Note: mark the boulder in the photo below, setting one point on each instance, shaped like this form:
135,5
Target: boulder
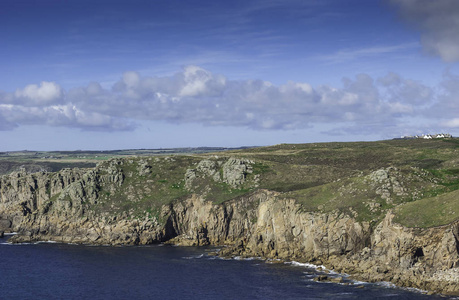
5,224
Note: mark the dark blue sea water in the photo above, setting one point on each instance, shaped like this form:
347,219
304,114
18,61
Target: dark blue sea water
60,271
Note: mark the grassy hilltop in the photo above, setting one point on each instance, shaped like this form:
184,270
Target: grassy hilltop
417,179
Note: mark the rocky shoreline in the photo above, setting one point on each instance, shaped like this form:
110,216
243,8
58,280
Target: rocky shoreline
261,223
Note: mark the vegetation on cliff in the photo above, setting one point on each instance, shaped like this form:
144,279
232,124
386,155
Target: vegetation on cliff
417,178
366,179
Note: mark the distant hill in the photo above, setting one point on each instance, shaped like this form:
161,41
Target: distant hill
53,161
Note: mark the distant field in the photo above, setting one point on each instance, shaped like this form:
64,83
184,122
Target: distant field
53,161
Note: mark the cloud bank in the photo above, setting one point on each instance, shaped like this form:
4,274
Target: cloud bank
195,95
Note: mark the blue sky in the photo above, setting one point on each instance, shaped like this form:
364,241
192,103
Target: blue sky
99,75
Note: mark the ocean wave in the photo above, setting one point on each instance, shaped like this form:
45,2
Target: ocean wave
316,267
357,282
390,285
221,258
273,260
307,265
246,258
193,257
45,242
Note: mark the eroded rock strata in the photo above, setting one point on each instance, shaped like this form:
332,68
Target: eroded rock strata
100,206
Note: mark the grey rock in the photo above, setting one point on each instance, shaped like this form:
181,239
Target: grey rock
5,224
235,171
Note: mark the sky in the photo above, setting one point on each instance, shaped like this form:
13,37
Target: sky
112,74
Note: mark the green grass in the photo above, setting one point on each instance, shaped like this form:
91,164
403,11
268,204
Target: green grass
322,177
141,193
429,212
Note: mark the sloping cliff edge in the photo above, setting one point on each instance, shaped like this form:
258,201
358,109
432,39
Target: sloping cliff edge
66,207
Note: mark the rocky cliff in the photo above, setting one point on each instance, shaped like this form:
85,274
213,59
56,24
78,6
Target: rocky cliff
222,201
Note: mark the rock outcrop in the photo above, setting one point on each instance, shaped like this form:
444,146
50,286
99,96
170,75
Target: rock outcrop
69,206
232,172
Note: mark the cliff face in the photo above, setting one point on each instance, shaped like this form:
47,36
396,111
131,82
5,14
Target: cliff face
84,206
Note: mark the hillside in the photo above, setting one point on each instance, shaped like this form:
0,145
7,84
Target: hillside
364,179
383,210
53,161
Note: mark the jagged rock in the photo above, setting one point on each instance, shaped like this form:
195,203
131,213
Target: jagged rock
190,176
337,279
207,167
379,175
386,183
144,168
321,278
5,224
235,171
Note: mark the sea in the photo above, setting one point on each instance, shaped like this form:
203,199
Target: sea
65,271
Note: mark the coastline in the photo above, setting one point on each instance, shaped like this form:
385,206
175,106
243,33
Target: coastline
312,271
247,243
219,202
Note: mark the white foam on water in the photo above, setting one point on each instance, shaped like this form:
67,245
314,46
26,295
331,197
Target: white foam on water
247,258
348,293
386,284
316,267
223,258
45,242
307,265
10,233
356,282
252,258
271,260
193,257
391,285
17,244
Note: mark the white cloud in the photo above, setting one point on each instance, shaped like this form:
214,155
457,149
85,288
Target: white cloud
452,123
196,95
45,93
438,22
406,90
199,82
131,79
